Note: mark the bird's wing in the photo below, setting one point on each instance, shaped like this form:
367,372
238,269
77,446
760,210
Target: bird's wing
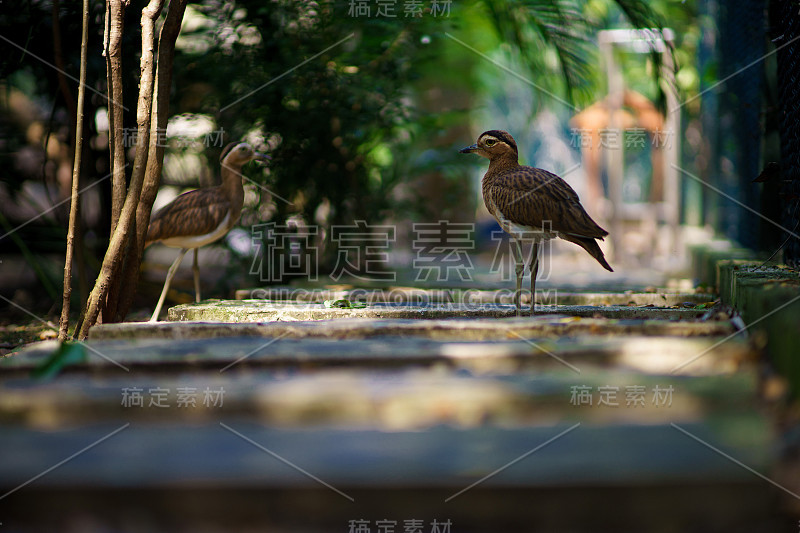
192,213
537,198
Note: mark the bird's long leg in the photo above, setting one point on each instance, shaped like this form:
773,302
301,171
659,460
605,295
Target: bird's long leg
534,271
196,272
520,270
170,275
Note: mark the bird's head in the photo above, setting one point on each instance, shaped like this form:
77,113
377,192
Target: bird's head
493,144
237,154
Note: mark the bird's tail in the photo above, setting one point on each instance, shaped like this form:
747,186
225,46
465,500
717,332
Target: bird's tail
590,245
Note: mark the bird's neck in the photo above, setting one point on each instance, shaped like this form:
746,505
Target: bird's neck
232,185
501,164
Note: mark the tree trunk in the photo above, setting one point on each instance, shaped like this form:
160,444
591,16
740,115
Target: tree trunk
115,16
112,262
76,171
143,122
155,160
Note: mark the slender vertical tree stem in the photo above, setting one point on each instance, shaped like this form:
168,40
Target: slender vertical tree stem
76,172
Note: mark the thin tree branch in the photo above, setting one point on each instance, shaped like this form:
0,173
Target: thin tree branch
76,172
115,18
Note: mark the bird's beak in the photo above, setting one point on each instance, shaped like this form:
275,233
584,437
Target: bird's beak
469,149
261,158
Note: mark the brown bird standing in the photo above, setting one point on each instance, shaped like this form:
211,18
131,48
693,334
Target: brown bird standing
202,216
532,204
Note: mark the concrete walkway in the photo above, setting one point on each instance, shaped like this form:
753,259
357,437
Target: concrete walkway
306,417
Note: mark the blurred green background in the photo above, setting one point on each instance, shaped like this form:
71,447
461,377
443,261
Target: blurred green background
362,110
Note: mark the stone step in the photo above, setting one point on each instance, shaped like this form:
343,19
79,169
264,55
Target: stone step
547,326
414,399
273,311
397,295
234,452
652,354
496,410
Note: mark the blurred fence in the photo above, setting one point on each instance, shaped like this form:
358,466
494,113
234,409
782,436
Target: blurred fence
741,111
785,21
734,39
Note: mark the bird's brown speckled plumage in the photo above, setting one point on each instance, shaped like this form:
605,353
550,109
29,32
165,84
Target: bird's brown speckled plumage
532,204
201,211
533,198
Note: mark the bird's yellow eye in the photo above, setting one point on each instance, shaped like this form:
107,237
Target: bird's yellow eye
490,142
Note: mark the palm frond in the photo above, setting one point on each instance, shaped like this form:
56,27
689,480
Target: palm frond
560,23
642,16
530,25
533,25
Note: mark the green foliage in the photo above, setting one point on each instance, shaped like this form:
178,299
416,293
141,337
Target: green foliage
536,26
67,353
344,303
329,91
539,29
